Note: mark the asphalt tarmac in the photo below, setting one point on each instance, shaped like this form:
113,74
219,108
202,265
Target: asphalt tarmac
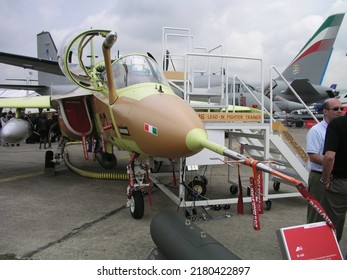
70,217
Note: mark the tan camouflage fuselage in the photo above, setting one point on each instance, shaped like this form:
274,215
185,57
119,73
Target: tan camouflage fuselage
147,121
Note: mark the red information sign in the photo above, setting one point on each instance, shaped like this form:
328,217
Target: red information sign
316,241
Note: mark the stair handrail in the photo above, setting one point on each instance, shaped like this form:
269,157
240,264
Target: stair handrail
190,81
261,103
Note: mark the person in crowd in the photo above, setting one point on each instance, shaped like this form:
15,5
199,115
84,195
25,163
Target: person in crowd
334,172
43,129
314,147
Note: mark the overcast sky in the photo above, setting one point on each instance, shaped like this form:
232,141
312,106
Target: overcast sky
274,31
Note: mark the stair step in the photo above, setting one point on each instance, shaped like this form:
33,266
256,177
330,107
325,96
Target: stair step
207,106
247,135
260,148
285,157
204,94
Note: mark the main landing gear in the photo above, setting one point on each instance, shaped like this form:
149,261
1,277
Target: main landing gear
138,172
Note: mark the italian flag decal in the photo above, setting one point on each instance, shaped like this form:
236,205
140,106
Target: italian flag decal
151,129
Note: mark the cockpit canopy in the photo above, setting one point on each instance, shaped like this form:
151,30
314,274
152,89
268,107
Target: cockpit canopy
81,60
135,69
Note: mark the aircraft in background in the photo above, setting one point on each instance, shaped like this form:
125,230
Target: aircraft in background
343,97
245,94
211,85
51,79
306,72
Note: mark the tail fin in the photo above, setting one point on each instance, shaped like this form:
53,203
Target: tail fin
312,61
46,49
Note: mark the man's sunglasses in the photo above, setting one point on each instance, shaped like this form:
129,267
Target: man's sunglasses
337,108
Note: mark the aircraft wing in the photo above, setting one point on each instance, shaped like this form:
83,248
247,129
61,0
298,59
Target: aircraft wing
26,102
305,87
27,62
22,87
302,86
307,91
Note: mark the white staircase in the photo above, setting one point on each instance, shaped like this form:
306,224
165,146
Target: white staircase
263,141
284,155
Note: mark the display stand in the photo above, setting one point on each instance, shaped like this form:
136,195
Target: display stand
316,241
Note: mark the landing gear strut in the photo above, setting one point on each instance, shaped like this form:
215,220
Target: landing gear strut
138,179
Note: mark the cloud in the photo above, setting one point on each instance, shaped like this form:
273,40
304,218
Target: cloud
272,30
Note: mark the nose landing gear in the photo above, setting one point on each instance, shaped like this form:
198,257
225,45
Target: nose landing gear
138,179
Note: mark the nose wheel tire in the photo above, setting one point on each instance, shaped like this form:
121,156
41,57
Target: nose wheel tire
137,205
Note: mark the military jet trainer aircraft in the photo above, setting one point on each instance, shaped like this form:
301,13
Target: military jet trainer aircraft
128,104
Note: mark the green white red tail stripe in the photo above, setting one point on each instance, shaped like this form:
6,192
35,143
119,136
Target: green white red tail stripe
324,37
312,61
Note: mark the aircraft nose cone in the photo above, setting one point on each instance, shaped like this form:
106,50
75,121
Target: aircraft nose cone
163,126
